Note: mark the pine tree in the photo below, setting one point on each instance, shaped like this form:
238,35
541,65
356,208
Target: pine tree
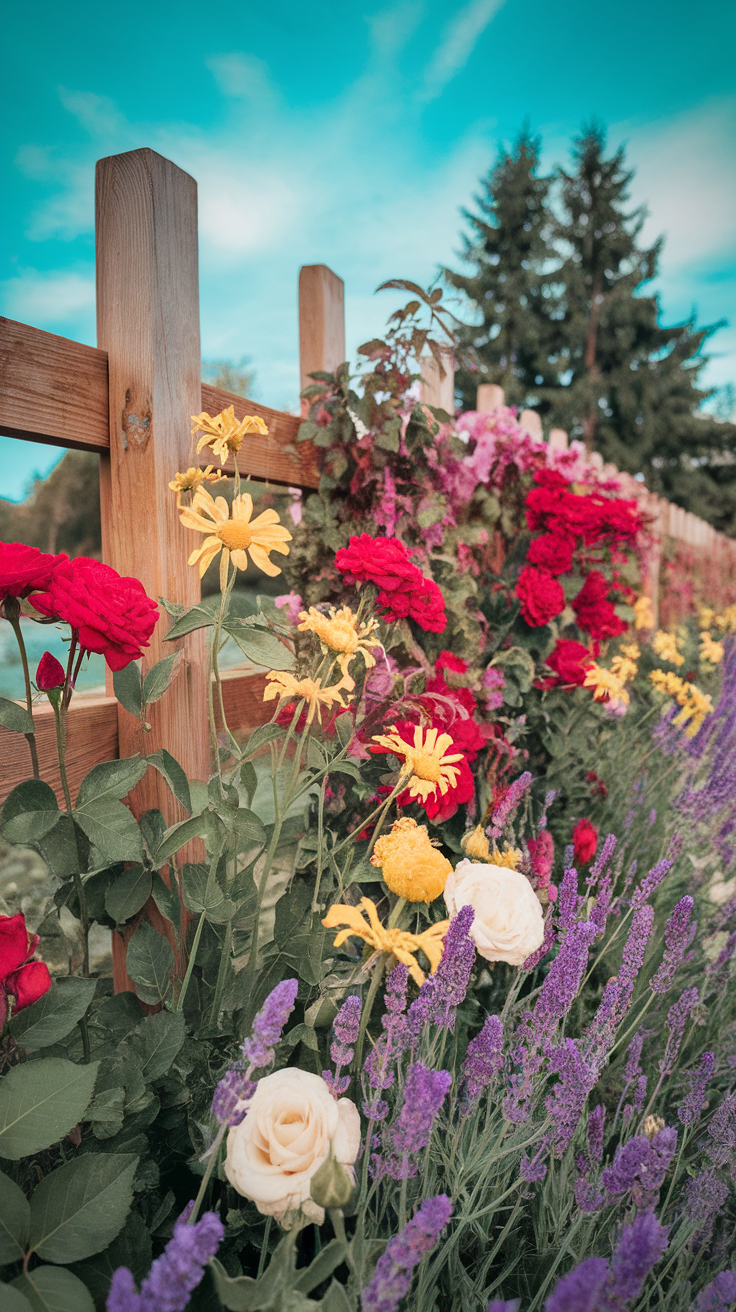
509,246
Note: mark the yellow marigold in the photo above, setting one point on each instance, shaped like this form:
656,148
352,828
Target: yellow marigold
695,705
667,645
193,478
475,845
605,684
630,650
425,760
341,632
411,865
667,682
706,617
643,613
710,650
287,688
224,433
236,536
624,667
397,942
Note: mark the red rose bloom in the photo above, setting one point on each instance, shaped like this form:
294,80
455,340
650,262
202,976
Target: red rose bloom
448,661
569,661
585,838
50,673
594,612
404,593
21,981
552,551
25,569
540,594
113,615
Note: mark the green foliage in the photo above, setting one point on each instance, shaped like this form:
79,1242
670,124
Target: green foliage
78,1209
55,1014
40,1102
52,1289
100,813
29,812
15,1221
149,962
15,717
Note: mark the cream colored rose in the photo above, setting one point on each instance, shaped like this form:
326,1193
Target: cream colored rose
508,924
292,1124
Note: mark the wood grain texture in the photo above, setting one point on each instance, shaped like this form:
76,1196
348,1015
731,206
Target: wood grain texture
321,321
52,390
148,322
92,736
242,696
277,458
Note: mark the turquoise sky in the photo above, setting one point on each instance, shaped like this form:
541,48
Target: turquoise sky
352,135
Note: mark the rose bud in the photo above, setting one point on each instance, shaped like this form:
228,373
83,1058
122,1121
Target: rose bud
50,673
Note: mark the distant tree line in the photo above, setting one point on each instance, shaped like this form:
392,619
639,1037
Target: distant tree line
558,314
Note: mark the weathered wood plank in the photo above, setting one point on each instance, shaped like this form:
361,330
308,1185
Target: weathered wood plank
52,390
274,459
321,321
92,736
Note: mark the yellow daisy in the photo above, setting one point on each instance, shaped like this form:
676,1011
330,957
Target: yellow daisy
667,646
340,631
411,865
235,536
605,684
624,667
193,478
425,759
286,687
398,942
224,433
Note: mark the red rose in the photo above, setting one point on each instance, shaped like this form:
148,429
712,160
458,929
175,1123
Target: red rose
594,612
552,551
113,615
585,838
540,594
569,660
404,593
25,569
448,661
50,673
21,981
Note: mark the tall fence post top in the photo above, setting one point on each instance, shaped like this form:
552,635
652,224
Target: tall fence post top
321,322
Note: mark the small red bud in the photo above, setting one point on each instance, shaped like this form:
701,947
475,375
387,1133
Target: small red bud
50,674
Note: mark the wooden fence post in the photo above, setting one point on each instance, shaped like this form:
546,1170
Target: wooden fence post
148,322
321,322
436,390
489,397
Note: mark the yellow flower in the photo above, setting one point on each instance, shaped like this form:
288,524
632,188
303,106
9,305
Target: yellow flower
643,613
727,621
694,703
475,845
709,650
398,942
286,687
623,667
192,479
412,866
425,760
630,650
605,684
667,645
224,433
706,616
667,682
235,536
341,632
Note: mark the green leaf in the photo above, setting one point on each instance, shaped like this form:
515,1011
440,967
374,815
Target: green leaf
78,1209
128,893
15,1216
345,728
249,828
336,1300
52,1289
264,734
201,892
327,1261
175,777
111,779
112,828
28,812
166,899
127,688
131,1248
55,1014
260,646
15,717
155,1042
12,1300
59,848
201,616
161,676
150,962
40,1102
198,826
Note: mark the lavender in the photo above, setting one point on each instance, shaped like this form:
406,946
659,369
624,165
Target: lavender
678,935
569,901
580,1290
378,1064
705,1196
652,880
640,1167
601,861
721,1146
441,993
393,1274
502,1305
719,1295
424,1093
483,1060
564,977
597,1285
633,955
595,1132
690,1108
677,1018
345,1027
509,803
175,1274
237,1085
566,1103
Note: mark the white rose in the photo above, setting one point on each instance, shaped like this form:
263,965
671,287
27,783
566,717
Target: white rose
509,923
292,1125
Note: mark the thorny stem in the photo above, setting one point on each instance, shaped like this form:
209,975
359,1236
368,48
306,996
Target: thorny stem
29,737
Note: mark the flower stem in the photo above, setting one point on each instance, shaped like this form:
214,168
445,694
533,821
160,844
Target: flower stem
365,1014
213,1156
190,963
60,722
29,737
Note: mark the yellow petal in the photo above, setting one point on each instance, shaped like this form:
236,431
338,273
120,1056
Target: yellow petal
259,558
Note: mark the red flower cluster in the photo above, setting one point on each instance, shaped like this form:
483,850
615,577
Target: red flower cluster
439,806
540,594
592,518
403,591
569,661
585,839
594,612
22,981
113,615
552,551
24,569
597,786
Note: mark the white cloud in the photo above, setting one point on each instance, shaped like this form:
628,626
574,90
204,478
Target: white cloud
61,299
458,42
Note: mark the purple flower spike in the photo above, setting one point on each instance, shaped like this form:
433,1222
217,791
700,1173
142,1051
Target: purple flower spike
689,1110
677,1018
678,935
441,994
424,1093
233,1090
392,1042
639,1249
640,1167
580,1291
269,1023
346,1027
501,1305
483,1060
394,1269
719,1295
595,1132
175,1274
508,805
